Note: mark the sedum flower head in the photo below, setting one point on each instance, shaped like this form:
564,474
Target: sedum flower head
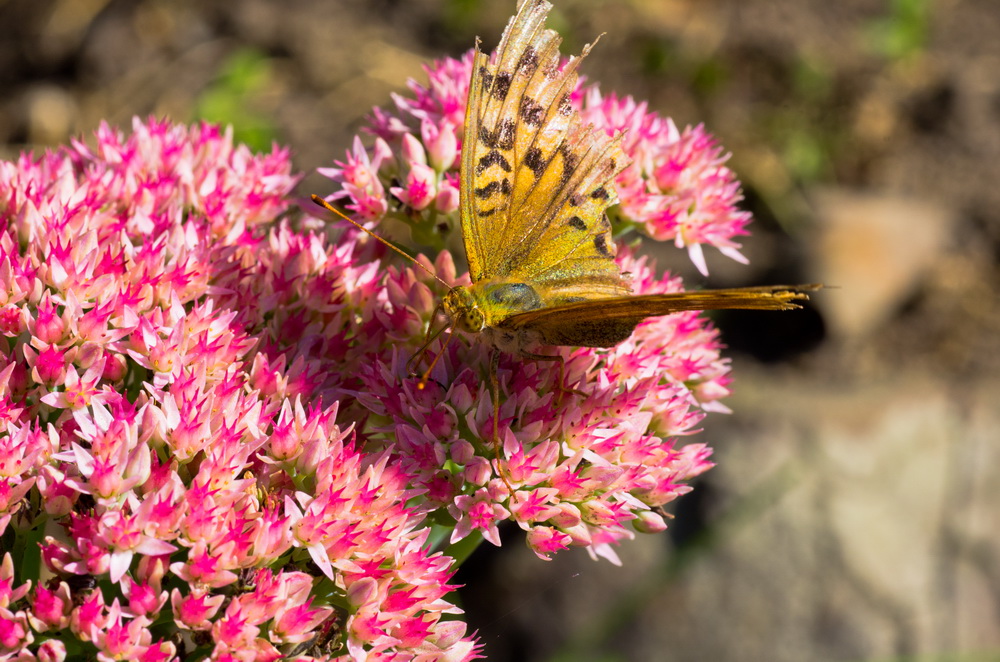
169,401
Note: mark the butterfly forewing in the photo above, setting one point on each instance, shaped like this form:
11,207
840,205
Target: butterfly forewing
536,183
488,155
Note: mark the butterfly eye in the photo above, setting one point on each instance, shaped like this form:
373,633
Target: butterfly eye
463,309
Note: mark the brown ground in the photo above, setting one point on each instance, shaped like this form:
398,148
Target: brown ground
852,516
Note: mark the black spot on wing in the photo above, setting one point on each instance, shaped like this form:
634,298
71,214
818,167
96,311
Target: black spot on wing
531,112
576,223
485,213
487,137
528,61
569,158
601,244
576,200
534,161
570,161
501,85
485,77
599,193
485,192
505,134
492,158
565,105
502,136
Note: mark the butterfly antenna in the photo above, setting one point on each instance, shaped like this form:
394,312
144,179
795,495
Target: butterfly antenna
330,208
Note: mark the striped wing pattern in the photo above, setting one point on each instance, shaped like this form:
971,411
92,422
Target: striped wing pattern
535,181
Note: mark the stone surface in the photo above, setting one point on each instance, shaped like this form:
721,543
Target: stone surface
875,251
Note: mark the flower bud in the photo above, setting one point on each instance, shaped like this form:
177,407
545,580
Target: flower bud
413,151
442,144
649,522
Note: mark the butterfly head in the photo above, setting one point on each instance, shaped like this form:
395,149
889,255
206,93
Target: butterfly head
463,310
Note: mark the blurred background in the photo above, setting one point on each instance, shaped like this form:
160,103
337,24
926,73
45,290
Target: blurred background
853,514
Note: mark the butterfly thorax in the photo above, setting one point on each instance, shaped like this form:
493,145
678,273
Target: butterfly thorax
486,304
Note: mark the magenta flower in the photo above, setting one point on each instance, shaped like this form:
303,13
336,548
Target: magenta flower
195,610
50,609
421,187
478,512
358,176
175,396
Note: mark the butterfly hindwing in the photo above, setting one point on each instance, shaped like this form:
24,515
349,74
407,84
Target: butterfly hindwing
572,256
535,182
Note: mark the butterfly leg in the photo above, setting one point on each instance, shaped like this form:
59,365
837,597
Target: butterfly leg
429,337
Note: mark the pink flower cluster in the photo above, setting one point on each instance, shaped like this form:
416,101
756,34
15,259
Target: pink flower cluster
677,186
426,134
178,419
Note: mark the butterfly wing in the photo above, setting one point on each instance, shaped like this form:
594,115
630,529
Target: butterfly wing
535,182
607,322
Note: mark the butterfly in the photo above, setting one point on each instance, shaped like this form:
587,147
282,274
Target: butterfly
535,186
536,183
